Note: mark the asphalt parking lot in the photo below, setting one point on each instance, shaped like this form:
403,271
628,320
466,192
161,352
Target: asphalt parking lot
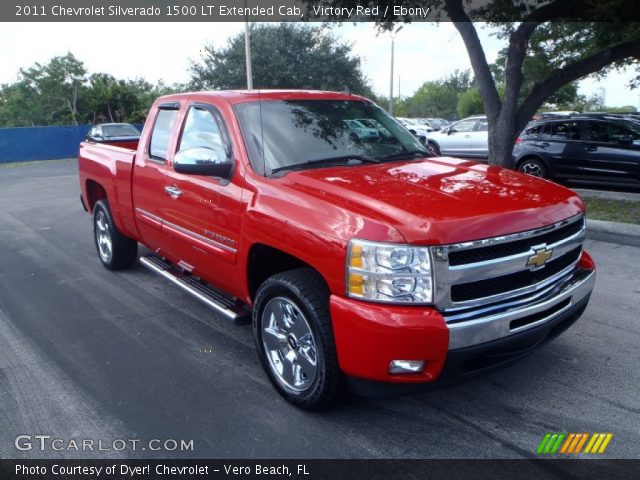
90,354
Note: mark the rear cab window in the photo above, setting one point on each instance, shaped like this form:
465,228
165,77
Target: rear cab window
161,134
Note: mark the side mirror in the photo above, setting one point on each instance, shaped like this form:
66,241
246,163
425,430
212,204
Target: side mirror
450,131
626,140
212,162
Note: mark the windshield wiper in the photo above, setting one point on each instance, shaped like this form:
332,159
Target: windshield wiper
406,154
325,161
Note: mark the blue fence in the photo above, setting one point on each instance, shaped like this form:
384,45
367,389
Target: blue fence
41,143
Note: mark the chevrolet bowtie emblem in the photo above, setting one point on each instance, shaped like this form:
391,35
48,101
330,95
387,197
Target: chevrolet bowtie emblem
539,258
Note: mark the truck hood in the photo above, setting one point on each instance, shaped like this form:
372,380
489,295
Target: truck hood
443,200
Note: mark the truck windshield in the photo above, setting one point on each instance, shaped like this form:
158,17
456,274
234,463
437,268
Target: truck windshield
287,133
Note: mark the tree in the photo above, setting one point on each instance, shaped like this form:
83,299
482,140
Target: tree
287,55
438,98
470,103
573,34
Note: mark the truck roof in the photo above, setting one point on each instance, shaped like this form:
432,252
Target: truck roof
242,96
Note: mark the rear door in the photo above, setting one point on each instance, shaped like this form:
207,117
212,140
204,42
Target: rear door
203,214
609,157
148,176
480,138
561,142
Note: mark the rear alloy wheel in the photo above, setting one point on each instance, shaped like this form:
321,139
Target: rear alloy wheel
115,250
533,167
294,338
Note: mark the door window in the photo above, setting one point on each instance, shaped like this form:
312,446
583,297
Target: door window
161,134
598,132
201,130
481,125
563,131
464,126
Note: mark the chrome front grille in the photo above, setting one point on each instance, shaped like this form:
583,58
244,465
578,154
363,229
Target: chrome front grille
487,275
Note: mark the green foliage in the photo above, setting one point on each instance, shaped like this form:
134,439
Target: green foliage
287,55
470,103
61,93
437,98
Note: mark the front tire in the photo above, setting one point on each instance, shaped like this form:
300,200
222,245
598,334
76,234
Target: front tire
433,148
533,167
116,251
294,338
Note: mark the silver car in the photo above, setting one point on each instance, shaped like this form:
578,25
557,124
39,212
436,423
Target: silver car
468,137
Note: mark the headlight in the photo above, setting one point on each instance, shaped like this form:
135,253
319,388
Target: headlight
387,272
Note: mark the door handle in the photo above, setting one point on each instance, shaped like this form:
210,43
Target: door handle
175,192
591,149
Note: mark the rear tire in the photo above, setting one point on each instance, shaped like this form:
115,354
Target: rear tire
534,167
294,338
116,251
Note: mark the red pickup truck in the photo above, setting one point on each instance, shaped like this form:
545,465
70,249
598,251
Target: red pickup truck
359,258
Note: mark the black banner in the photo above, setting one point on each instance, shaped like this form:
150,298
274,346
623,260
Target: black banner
319,469
313,10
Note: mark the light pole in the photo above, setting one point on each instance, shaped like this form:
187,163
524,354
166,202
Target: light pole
393,38
247,54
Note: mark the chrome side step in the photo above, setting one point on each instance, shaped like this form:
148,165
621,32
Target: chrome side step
231,308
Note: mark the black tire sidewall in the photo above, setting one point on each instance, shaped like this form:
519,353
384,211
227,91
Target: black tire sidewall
103,206
277,288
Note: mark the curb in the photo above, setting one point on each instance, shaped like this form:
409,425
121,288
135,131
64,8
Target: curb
607,195
627,229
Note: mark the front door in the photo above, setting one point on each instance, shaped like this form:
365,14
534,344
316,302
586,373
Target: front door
203,214
148,177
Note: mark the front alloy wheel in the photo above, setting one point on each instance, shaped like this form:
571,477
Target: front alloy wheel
289,344
293,334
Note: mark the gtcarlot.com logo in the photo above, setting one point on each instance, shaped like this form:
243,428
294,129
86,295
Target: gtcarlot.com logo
574,443
47,442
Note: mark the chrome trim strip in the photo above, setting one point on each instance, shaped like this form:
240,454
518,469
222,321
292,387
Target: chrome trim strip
472,272
144,213
199,237
513,293
448,275
493,327
515,236
185,231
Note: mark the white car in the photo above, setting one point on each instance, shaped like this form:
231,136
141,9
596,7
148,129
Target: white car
468,137
419,131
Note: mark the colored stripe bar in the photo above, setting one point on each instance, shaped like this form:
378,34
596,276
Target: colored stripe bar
556,446
582,442
592,441
605,443
565,447
544,441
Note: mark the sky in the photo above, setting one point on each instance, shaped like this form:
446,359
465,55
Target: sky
423,52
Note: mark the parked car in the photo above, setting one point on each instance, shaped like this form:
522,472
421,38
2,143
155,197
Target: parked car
376,125
468,137
122,134
418,130
361,131
589,149
361,264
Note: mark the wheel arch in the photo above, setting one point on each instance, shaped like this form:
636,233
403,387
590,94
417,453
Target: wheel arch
264,261
95,191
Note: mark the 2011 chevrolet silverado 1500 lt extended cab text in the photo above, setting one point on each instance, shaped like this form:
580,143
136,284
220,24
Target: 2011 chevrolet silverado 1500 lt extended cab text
359,260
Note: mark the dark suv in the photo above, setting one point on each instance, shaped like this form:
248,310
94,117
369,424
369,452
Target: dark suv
588,149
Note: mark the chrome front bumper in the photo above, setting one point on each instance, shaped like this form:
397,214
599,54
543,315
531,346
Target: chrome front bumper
561,298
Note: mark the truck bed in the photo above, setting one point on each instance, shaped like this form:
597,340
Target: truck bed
109,167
